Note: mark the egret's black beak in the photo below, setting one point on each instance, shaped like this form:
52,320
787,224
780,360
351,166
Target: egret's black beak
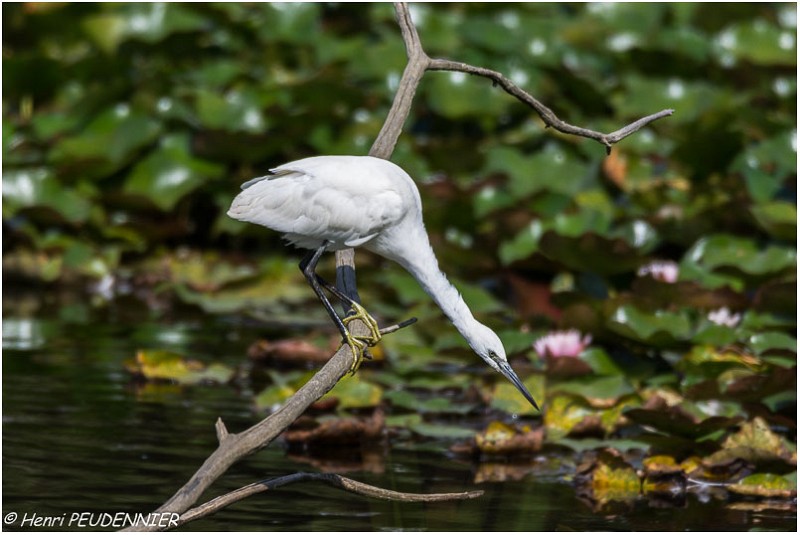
506,370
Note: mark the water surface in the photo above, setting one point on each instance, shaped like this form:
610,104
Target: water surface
81,436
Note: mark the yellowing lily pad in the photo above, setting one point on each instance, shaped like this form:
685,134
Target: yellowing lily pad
168,366
508,399
761,441
354,392
614,481
503,439
765,486
273,396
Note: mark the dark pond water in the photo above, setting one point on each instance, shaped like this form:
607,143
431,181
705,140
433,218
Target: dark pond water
79,436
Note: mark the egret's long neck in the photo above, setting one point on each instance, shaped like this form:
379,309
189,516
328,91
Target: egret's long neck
421,262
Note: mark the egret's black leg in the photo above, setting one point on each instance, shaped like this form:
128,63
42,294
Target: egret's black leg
358,344
308,266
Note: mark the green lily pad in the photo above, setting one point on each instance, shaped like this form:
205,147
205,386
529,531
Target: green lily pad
435,405
234,111
355,393
726,251
678,422
766,165
441,431
759,42
594,389
171,172
155,22
551,169
659,329
273,396
108,142
278,280
778,218
38,187
768,342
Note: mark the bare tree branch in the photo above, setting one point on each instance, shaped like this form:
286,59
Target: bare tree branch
547,115
334,480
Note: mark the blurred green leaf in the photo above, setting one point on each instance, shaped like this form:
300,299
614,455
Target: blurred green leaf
771,341
661,328
507,398
355,393
441,431
778,218
110,140
38,187
234,111
170,173
727,251
152,22
758,41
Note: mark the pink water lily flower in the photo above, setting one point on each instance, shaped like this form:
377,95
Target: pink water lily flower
562,343
660,270
723,316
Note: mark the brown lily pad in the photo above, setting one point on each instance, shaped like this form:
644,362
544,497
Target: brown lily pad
289,351
336,432
502,439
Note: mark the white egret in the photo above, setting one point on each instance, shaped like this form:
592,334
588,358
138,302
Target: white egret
328,203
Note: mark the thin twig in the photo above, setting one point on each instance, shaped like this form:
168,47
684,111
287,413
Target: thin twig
550,119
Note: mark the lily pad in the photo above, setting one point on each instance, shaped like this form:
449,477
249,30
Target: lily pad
778,218
614,480
273,396
502,439
355,393
38,187
440,405
765,486
507,398
107,143
757,443
441,431
676,421
660,328
171,172
740,254
165,365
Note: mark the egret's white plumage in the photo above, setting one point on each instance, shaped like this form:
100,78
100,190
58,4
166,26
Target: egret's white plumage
361,201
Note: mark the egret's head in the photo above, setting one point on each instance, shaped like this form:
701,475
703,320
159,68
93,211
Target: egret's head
488,346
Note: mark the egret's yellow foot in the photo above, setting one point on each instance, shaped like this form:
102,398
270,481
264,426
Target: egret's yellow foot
362,314
359,344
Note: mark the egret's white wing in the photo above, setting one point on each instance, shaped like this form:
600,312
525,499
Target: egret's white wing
344,200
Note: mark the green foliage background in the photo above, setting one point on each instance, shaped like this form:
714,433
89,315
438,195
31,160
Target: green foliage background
127,129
